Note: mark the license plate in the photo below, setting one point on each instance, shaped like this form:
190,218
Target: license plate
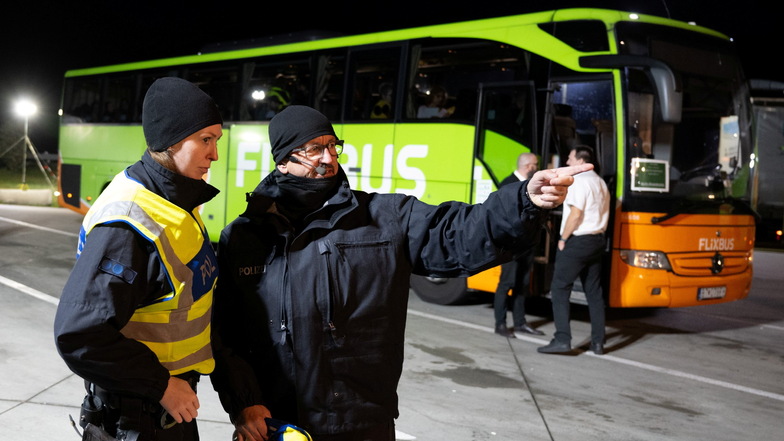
714,292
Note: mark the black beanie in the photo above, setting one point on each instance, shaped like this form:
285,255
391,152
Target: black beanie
293,127
173,110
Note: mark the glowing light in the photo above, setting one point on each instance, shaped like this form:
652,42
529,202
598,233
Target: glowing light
26,108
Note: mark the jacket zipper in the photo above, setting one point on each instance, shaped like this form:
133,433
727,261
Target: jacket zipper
284,297
325,251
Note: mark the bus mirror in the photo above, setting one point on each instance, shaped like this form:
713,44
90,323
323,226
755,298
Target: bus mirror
670,96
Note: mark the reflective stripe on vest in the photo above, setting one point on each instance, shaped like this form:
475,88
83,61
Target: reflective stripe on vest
176,327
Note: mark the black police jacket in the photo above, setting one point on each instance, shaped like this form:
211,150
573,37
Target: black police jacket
311,324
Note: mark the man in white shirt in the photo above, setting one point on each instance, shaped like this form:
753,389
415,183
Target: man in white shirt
586,211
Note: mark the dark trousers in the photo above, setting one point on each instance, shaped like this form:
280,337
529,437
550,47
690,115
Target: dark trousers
382,432
581,257
515,275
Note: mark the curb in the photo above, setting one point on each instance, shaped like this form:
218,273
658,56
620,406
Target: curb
26,197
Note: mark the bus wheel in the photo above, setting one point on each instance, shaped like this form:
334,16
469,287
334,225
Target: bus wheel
439,290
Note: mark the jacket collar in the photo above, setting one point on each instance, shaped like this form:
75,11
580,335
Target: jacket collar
185,192
262,199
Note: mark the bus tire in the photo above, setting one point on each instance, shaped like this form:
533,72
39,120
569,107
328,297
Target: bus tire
439,290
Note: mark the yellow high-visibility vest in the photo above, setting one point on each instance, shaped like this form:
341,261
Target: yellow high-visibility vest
176,327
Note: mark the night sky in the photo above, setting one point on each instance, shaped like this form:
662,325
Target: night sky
43,39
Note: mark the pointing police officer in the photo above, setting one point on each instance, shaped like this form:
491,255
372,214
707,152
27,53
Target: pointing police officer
316,336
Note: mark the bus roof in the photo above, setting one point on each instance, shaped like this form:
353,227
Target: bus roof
305,41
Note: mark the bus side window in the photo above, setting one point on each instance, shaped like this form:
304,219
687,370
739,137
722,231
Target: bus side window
373,83
272,85
458,66
328,83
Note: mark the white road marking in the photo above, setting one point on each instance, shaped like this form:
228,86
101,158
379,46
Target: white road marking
615,359
29,291
38,227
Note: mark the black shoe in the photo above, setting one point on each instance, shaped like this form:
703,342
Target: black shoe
525,329
555,347
503,331
597,348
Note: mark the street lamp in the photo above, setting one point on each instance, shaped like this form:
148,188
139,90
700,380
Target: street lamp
25,109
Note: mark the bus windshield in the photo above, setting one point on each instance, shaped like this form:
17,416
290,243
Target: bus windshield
703,162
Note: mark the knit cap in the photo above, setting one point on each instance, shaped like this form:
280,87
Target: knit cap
293,127
174,109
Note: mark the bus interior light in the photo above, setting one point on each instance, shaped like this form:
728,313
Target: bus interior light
646,259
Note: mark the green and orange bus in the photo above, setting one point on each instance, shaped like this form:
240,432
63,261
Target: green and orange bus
663,102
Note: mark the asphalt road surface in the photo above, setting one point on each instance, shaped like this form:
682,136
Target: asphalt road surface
699,373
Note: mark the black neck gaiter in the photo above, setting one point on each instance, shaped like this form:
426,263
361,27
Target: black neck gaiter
300,196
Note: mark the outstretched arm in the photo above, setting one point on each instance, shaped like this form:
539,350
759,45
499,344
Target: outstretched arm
547,188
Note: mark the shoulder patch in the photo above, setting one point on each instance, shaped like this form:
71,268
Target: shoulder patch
117,269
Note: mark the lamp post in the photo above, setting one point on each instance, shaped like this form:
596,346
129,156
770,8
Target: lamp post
25,109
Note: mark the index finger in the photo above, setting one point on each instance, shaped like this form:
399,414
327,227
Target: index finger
573,170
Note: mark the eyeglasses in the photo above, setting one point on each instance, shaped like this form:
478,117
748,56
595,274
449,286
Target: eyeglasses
316,151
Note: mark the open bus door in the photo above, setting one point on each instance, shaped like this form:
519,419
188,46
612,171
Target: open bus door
505,126
579,111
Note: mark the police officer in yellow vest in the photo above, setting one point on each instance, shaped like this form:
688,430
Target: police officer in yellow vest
134,316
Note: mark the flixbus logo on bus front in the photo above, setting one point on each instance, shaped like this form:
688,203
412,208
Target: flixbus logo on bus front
716,243
369,168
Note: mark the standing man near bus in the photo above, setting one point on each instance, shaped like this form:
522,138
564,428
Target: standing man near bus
515,275
310,310
134,316
586,211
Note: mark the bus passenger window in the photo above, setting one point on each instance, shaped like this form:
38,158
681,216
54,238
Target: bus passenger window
436,104
328,83
373,83
383,107
458,67
272,86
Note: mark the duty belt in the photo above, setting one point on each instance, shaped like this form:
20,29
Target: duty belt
114,400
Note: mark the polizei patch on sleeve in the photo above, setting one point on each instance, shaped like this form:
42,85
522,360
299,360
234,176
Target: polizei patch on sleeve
117,269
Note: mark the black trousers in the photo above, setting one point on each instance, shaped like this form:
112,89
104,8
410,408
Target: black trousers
581,257
381,432
515,275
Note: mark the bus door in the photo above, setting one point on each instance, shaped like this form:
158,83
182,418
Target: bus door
580,112
505,128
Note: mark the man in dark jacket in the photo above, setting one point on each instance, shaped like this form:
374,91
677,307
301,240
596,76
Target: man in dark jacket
310,309
515,275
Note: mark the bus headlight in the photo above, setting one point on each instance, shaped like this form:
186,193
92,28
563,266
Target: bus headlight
646,259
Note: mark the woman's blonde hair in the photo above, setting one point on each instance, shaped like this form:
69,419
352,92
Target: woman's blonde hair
164,158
